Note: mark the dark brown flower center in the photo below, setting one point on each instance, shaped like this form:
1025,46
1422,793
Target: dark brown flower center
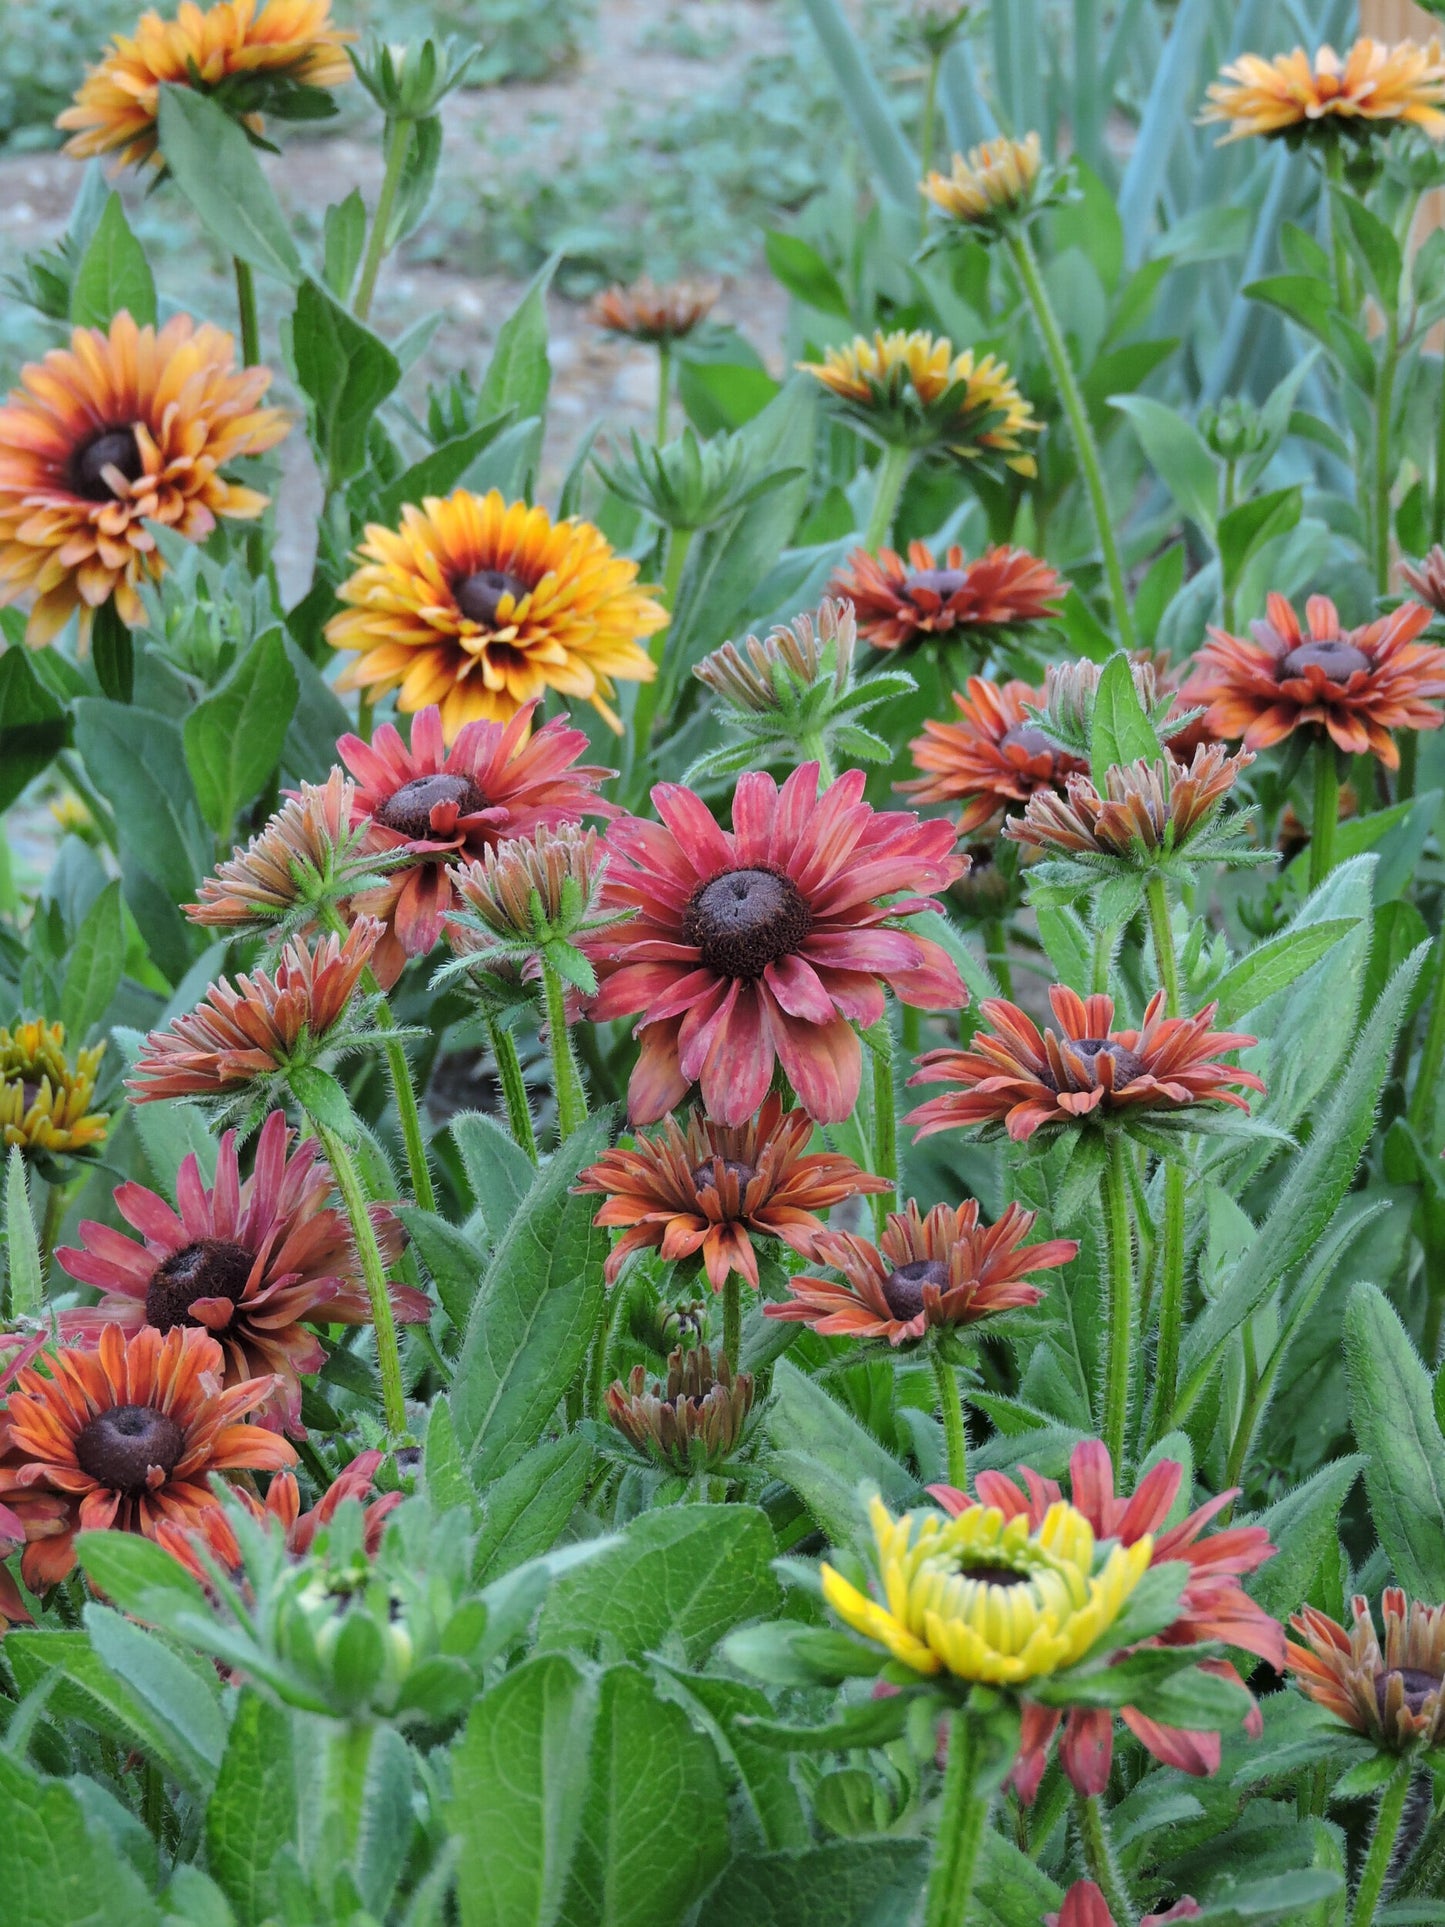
479,595
1418,1686
111,448
1339,660
903,1288
408,811
1029,738
1127,1063
703,1174
210,1268
994,1575
943,582
117,1448
746,919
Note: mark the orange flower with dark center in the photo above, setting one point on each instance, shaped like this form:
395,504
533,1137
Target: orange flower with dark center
121,428
255,1263
1356,684
1015,1076
1396,1697
900,605
646,312
702,1186
993,759
943,1269
124,1437
1373,89
1145,806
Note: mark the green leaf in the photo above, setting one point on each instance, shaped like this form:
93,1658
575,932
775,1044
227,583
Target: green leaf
113,275
57,1870
519,375
97,956
112,653
719,397
845,1883
216,169
822,1451
235,736
345,371
34,725
1250,524
1178,454
1069,949
438,472
804,273
1372,244
449,1255
22,1248
1120,732
1274,965
1303,1527
324,1100
498,1170
344,241
251,1818
893,163
527,1509
519,1779
181,1696
137,1575
1392,1413
135,759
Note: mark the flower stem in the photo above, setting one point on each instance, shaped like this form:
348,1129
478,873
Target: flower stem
1326,813
1099,1857
566,1077
995,943
732,1320
812,749
892,474
398,140
1384,405
1382,1845
664,387
246,303
963,1816
1171,1293
514,1089
1119,1244
1437,515
649,694
955,1431
927,135
1056,350
597,1377
1162,933
885,1121
373,1270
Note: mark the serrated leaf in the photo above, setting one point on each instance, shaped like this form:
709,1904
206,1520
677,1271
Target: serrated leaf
56,1869
22,1249
863,1883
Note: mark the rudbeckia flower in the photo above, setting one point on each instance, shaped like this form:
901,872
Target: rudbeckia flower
693,1421
992,759
1145,808
645,312
45,1093
1396,1697
996,180
1372,89
308,854
901,604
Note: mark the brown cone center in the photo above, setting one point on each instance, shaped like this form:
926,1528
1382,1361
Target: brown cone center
994,1575
118,1448
112,448
479,595
1418,1685
903,1288
1339,660
746,919
704,1180
942,582
210,1268
1029,738
1127,1063
408,810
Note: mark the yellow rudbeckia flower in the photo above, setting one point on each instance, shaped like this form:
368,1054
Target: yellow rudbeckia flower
44,1098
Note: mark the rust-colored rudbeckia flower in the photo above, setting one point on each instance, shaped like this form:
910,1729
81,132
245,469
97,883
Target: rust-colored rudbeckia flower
693,1420
433,806
767,944
16,1352
993,759
1357,684
252,1262
1145,807
254,59
480,606
124,427
1011,1075
1085,1906
309,853
256,1026
899,605
1396,1697
995,181
123,1437
1427,578
646,312
1212,1606
1373,89
715,1187
942,1269
45,1097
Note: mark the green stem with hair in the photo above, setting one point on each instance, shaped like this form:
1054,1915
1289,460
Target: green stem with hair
927,134
1382,1845
50,1223
950,1409
1171,1294
885,1121
250,356
1099,1857
962,1820
664,390
566,1077
732,1320
398,140
1099,970
1056,350
812,749
1326,811
1119,1249
597,1377
995,943
1437,507
373,1271
514,1088
892,473
1384,407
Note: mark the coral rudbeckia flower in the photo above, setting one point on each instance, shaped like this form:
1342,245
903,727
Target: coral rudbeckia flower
1372,89
292,43
480,606
249,1261
44,1096
645,312
1357,684
939,1270
901,604
1012,1075
124,427
714,1187
437,806
768,943
123,1437
1145,807
993,759
1395,1697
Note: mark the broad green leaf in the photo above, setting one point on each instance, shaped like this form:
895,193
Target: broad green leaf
251,1817
1273,966
58,1873
22,1249
235,736
844,1883
135,758
344,241
444,1476
181,1696
34,725
137,1575
519,374
526,1510
761,1772
1069,947
113,275
1119,731
97,956
345,371
498,1170
1392,1412
822,1451
804,273
453,1261
1249,524
1178,454
438,472
215,167
1372,244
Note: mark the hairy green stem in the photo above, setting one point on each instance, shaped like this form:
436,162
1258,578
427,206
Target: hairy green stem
597,1378
1057,353
1119,1244
246,303
812,749
928,126
1326,811
664,389
514,1088
891,475
1384,406
373,1270
962,1819
732,1320
398,140
566,1077
951,1411
1171,1295
1099,1857
1382,1845
995,939
885,1123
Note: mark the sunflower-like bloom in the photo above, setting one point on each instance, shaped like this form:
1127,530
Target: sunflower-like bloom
16,1352
913,391
1212,1606
255,1263
428,807
1012,1075
900,605
44,1097
252,61
1396,1697
1085,1906
645,312
701,1186
1356,684
944,1269
987,1598
481,606
1145,807
309,853
248,1030
693,1421
768,944
1372,90
995,182
123,1437
993,759
121,428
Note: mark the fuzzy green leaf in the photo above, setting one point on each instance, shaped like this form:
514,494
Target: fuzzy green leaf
1393,1414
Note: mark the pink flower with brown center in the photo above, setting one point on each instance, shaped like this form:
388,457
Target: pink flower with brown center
1395,1697
256,1262
901,604
439,806
767,944
994,758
